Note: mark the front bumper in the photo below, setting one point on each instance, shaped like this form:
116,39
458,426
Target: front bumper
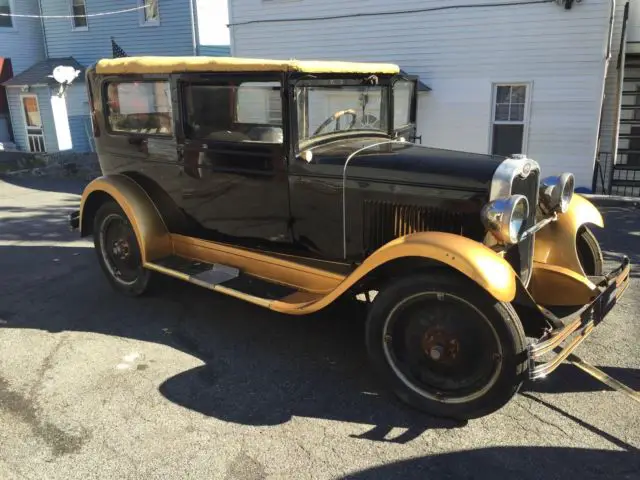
579,325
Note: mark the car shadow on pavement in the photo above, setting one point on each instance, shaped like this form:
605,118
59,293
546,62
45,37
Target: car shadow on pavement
523,463
259,367
275,367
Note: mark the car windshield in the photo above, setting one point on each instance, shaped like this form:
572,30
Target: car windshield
326,108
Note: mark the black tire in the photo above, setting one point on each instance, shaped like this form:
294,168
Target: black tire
489,338
125,273
589,252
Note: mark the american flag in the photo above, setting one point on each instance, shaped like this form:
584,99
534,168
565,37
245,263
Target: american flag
118,52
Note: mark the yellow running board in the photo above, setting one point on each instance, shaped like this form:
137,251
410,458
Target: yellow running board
232,282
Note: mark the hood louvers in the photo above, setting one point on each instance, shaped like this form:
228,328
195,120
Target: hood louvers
385,221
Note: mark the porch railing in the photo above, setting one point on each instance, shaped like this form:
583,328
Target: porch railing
601,182
619,178
36,142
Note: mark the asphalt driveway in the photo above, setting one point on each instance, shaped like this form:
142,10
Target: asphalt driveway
186,383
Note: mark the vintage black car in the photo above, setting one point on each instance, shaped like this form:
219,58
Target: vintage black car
295,184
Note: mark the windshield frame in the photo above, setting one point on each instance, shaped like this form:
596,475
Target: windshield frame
336,80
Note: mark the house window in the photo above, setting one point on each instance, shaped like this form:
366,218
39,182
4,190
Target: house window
5,8
142,108
79,12
509,126
150,12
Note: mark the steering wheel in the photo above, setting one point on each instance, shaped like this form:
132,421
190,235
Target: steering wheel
335,117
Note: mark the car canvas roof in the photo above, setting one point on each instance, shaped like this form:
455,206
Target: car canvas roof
150,65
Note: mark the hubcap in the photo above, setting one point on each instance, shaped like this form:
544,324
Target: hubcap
436,352
442,347
121,249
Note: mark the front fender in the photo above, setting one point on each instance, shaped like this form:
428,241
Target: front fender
552,285
473,259
556,243
151,232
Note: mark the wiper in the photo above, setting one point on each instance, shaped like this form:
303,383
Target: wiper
304,77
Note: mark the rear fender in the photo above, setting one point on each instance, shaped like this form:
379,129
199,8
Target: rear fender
151,232
555,244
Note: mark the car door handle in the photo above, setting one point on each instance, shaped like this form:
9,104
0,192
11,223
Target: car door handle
141,143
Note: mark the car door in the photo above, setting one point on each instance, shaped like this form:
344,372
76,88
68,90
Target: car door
138,136
231,148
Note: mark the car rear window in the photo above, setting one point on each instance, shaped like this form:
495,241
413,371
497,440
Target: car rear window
139,107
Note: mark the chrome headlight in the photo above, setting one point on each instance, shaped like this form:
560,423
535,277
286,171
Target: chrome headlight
505,217
556,193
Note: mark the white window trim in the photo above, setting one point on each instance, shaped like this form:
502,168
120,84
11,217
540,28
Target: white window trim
24,119
12,10
525,118
148,23
73,26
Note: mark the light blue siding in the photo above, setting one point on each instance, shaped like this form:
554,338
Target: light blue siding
78,109
18,122
214,50
77,99
173,35
23,43
4,127
79,138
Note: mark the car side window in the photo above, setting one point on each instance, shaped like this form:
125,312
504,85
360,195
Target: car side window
139,107
246,112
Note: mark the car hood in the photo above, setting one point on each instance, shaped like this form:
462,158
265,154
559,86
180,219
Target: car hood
388,161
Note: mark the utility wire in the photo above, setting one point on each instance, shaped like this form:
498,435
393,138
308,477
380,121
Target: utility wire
392,12
101,14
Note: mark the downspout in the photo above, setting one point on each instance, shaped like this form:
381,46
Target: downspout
619,88
195,32
232,31
44,30
46,56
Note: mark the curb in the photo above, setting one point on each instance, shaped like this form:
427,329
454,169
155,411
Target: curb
613,200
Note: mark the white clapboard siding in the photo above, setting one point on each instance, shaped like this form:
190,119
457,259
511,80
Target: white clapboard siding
460,53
